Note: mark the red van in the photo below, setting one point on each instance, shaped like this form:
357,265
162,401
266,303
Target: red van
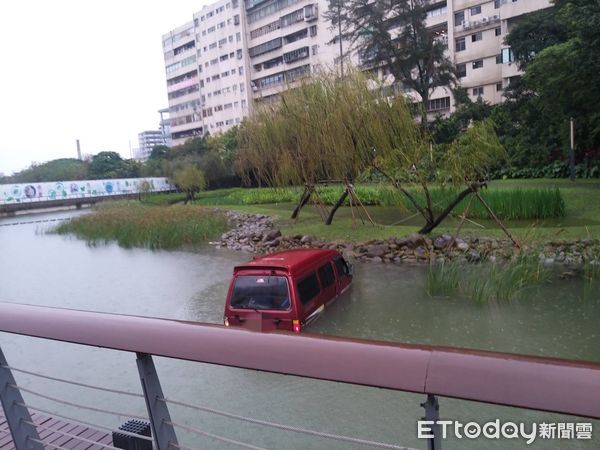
285,290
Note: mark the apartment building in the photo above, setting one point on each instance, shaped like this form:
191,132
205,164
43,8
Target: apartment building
287,40
222,64
183,83
235,53
147,141
476,33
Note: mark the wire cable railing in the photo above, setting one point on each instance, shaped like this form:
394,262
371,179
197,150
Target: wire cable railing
78,405
568,387
279,426
215,436
73,436
82,422
74,383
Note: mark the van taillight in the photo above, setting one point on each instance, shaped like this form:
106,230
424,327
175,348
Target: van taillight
296,324
226,322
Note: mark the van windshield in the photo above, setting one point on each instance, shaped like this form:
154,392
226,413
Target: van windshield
260,292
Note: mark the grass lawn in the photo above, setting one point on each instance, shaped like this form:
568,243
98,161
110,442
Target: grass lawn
582,219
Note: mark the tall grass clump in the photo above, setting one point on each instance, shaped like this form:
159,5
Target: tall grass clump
131,224
498,282
508,204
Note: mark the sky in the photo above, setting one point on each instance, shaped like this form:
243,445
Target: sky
89,70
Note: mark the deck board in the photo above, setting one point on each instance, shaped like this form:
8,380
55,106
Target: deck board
56,436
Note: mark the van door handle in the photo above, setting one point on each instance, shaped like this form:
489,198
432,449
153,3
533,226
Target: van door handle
277,321
241,319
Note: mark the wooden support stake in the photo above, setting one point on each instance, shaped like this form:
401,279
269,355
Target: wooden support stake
462,220
497,220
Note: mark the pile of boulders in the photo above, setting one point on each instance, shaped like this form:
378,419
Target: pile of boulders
255,233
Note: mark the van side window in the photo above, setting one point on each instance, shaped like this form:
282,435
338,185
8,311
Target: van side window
326,275
341,266
308,288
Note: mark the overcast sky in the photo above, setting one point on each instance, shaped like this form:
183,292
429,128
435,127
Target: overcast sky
89,70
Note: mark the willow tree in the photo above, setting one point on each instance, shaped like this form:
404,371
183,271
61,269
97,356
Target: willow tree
332,128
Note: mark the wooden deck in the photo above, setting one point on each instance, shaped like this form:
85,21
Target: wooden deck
55,438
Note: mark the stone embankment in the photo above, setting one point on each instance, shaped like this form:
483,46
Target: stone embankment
256,234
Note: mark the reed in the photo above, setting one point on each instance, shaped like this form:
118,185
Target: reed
498,282
508,204
131,224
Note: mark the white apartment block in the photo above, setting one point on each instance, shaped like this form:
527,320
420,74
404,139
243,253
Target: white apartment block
234,53
222,64
287,40
147,141
183,83
476,30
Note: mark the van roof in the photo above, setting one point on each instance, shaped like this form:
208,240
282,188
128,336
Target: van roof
294,261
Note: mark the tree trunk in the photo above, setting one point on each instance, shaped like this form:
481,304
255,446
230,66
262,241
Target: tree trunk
428,228
303,202
336,206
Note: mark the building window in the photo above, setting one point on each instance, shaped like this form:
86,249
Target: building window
461,70
498,87
476,10
478,64
478,91
460,44
315,49
507,55
313,30
459,18
499,58
498,31
438,104
477,36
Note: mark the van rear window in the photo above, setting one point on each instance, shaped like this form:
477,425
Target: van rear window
308,288
260,292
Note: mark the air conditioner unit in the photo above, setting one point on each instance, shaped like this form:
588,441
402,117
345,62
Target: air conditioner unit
466,25
484,20
496,17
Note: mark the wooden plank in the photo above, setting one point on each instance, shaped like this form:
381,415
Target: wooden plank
55,435
62,439
92,435
76,431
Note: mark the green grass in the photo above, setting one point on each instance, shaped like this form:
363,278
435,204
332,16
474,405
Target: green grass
581,218
132,224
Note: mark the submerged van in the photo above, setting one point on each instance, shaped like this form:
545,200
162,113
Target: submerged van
285,290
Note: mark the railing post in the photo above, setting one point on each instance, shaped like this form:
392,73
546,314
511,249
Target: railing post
17,416
160,420
432,413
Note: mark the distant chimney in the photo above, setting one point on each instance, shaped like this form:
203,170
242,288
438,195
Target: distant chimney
78,150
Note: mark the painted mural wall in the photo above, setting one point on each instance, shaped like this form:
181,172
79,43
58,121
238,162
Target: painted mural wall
61,190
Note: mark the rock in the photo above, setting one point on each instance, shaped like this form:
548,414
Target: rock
271,235
473,256
376,259
420,252
548,261
441,242
306,239
462,246
377,250
414,240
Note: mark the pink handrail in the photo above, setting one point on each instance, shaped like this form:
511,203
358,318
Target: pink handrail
545,384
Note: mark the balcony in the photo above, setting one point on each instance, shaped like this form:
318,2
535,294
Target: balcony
477,24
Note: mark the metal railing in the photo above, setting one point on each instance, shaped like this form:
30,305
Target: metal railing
544,384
